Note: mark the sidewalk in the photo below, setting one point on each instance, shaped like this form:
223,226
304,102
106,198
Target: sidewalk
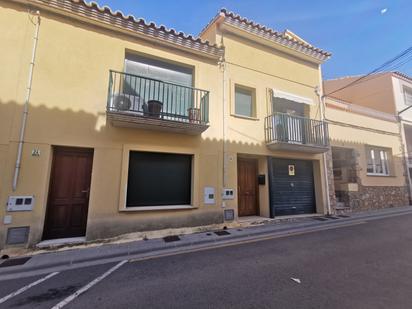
144,249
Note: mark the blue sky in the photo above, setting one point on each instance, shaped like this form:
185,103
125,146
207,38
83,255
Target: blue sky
357,33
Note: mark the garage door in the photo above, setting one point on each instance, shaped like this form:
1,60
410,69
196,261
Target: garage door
291,187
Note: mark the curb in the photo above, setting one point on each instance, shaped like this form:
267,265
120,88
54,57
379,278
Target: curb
257,234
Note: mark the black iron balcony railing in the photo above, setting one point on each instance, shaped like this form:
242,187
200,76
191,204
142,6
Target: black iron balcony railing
284,128
148,97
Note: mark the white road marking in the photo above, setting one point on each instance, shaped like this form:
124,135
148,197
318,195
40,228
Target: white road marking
70,298
25,288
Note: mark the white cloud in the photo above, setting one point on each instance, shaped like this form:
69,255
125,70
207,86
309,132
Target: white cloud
383,11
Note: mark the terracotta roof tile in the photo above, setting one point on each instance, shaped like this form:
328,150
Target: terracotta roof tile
269,33
105,14
273,32
403,75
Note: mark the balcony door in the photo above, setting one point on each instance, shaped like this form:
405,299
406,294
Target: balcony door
174,91
289,126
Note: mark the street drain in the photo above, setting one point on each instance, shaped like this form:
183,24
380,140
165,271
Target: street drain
320,219
343,216
15,262
171,238
222,233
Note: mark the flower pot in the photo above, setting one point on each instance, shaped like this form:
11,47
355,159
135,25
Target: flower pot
154,108
194,115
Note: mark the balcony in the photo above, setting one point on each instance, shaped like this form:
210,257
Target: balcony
147,103
294,133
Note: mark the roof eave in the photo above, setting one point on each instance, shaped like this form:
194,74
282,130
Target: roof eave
129,26
307,55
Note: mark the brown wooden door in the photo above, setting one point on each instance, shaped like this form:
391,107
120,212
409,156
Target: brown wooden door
247,187
68,200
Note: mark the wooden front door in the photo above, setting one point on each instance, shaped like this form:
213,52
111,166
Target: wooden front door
68,200
247,187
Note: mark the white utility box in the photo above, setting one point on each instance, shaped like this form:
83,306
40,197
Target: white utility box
209,195
228,194
20,203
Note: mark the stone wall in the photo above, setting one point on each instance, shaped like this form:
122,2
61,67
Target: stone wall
376,197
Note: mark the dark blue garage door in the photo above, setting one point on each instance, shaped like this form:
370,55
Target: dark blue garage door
291,187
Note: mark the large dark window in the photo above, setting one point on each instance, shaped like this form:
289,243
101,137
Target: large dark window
157,179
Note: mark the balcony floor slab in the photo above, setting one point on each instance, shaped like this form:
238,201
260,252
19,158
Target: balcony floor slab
127,120
296,147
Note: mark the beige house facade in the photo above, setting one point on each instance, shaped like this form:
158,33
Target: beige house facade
127,126
111,125
375,171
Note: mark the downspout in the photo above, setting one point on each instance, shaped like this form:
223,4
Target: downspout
26,103
224,99
319,92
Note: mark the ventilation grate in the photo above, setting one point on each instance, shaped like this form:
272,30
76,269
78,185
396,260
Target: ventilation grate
229,214
17,235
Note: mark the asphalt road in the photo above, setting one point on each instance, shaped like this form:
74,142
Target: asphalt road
361,266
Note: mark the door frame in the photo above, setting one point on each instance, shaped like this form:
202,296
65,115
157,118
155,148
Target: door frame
256,162
55,148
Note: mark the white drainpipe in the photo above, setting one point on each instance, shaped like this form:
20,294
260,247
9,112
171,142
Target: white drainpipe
319,92
26,104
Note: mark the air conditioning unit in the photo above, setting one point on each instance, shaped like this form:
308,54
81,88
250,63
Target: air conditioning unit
125,102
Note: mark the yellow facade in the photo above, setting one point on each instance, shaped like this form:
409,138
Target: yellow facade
68,108
359,129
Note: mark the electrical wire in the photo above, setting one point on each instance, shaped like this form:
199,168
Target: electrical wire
399,60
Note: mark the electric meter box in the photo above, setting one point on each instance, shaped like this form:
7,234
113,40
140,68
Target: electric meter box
228,194
20,203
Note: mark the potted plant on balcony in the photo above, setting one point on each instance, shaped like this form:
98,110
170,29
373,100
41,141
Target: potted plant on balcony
194,114
154,107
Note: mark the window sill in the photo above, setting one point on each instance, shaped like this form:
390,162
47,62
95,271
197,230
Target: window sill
157,208
244,117
379,175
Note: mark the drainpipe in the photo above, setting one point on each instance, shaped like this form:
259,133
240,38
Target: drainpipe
26,103
319,92
224,99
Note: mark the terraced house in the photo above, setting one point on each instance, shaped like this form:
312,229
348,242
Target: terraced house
128,126
371,147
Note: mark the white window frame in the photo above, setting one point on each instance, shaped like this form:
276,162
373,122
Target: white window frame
378,155
252,92
407,95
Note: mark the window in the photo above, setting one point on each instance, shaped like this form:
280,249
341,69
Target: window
407,92
244,101
157,179
378,161
176,100
162,70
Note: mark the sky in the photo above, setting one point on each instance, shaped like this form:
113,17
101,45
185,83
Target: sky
360,34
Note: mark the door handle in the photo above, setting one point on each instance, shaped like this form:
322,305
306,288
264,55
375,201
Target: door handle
87,191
